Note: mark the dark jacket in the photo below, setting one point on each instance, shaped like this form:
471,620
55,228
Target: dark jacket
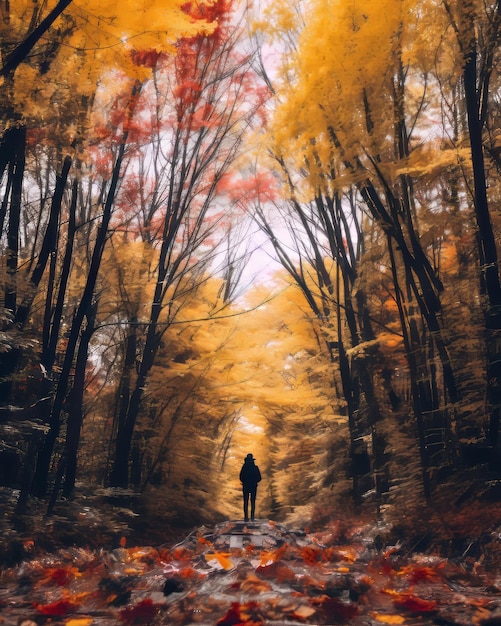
250,474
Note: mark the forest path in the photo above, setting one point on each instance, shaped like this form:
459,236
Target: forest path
253,574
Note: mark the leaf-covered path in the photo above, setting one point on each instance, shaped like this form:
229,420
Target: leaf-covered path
260,573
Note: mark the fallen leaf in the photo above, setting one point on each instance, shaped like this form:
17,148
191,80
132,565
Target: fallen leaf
254,584
311,554
277,570
142,613
414,604
59,575
232,617
388,619
273,556
417,573
303,612
221,558
80,621
60,607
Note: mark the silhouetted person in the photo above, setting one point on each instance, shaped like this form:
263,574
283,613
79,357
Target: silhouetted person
249,477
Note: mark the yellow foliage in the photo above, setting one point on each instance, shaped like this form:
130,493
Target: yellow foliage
339,105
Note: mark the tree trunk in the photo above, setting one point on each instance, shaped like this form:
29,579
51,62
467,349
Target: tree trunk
489,270
75,406
18,146
49,243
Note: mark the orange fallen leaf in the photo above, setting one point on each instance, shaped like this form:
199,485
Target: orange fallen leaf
254,584
273,556
388,619
204,541
221,557
80,621
59,575
417,573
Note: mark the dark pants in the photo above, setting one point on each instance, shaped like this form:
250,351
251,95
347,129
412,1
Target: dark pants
249,492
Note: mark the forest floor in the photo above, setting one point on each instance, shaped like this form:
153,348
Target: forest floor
253,574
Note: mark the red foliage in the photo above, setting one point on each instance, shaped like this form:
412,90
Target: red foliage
146,58
216,13
142,613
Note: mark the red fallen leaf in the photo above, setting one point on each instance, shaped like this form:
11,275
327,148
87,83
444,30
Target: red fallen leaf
61,575
336,610
311,554
61,607
414,604
241,615
232,617
277,570
142,613
418,573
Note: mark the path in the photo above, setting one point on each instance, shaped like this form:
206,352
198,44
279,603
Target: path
254,574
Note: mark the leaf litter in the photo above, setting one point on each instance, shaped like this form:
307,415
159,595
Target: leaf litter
251,574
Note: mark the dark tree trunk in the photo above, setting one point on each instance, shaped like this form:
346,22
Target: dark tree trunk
18,156
489,270
488,249
75,406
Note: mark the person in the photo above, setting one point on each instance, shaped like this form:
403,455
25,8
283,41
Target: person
250,476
